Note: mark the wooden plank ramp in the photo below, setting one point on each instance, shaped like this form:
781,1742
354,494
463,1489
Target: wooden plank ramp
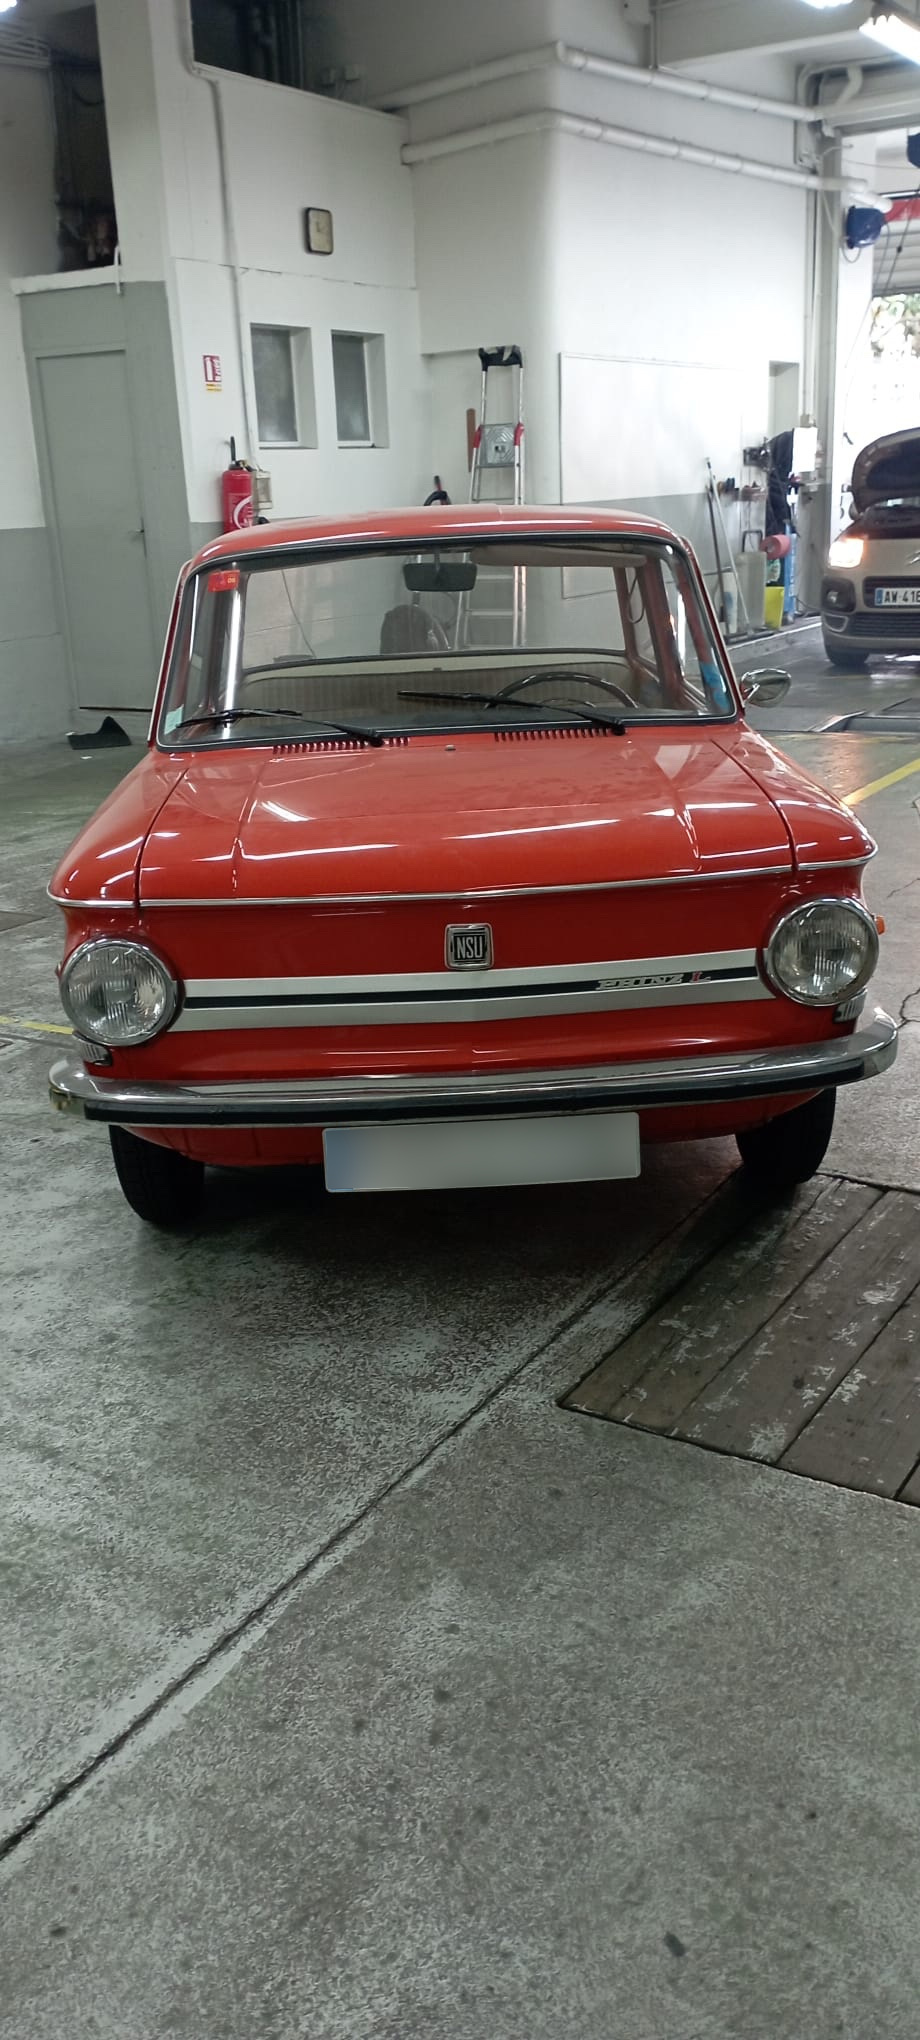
796,1343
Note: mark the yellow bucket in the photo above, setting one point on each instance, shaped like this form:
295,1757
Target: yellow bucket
773,606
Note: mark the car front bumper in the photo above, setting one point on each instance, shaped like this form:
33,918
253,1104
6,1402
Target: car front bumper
481,1094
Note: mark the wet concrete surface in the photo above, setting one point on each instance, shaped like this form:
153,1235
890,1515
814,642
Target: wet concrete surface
350,1688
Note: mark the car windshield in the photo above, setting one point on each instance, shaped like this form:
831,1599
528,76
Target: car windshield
369,642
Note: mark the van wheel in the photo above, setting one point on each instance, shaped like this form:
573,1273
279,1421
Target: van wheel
846,661
162,1186
791,1147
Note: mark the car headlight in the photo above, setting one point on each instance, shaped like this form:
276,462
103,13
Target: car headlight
822,952
846,552
119,993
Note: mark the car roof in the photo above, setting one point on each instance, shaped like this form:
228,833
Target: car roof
458,521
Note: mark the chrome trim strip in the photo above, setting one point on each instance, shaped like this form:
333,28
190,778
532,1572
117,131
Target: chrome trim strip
469,1012
100,906
499,892
423,997
843,863
478,1094
371,985
506,892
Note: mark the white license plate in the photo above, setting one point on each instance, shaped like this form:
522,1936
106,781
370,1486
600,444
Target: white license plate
897,598
475,1154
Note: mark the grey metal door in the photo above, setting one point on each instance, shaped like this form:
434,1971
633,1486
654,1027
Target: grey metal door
99,525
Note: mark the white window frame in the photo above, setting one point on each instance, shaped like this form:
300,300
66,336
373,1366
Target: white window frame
300,348
374,355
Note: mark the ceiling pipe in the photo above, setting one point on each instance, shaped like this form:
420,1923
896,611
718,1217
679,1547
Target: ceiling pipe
213,80
563,54
619,138
888,112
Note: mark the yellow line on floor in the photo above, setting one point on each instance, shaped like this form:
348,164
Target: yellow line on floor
33,1026
879,785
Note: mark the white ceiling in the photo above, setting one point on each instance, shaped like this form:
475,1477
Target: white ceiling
691,31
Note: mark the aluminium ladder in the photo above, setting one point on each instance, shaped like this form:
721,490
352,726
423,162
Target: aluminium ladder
498,447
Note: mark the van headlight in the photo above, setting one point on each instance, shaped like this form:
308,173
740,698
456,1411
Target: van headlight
822,952
846,552
118,993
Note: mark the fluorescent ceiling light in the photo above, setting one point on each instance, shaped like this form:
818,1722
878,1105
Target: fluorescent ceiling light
825,3
896,31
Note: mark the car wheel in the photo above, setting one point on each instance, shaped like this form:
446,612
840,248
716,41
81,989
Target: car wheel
790,1148
162,1186
846,661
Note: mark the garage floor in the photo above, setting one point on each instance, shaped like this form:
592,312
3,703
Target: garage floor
354,1688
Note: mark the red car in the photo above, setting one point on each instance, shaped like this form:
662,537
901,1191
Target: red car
452,860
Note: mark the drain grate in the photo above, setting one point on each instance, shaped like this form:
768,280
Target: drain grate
797,1344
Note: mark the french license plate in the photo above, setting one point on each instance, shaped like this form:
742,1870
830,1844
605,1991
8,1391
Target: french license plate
897,598
477,1154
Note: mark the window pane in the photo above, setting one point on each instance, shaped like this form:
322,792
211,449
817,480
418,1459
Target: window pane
352,410
273,370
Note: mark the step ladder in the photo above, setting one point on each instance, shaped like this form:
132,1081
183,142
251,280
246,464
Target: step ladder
499,446
498,449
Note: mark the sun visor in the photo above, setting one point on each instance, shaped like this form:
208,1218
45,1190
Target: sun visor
887,468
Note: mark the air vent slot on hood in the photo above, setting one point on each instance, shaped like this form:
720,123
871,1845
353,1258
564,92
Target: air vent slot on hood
555,731
333,744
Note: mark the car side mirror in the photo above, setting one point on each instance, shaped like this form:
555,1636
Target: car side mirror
764,686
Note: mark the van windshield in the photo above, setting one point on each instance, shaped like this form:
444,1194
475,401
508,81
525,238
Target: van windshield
434,637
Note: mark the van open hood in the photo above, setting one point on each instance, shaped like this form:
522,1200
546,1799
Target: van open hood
887,468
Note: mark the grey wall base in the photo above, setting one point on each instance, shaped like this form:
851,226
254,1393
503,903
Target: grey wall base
34,689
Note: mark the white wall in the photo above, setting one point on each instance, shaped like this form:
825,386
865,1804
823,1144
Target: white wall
486,275
34,697
286,150
576,248
401,42
28,244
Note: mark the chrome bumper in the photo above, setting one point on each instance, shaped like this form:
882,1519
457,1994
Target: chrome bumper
481,1094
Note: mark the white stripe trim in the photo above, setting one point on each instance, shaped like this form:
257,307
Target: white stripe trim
470,1012
527,992
459,981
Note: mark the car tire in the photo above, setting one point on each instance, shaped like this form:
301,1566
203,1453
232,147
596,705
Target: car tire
846,661
163,1187
791,1147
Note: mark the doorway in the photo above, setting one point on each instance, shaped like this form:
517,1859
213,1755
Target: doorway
783,411
99,527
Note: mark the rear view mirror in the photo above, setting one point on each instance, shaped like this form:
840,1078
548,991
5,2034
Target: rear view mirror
439,577
763,687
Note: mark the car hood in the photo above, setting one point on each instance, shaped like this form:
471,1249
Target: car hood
886,469
476,814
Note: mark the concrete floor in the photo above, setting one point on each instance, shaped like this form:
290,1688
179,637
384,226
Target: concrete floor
351,1690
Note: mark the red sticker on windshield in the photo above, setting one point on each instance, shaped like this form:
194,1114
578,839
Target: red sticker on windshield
224,581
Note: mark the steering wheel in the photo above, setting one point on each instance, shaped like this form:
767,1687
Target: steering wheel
437,635
564,673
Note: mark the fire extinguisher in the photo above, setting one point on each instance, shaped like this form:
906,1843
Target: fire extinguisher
236,489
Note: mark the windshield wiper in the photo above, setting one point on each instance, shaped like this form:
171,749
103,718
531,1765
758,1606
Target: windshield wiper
588,715
232,715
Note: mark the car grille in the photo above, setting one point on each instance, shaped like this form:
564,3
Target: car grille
572,730
329,744
890,581
902,624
